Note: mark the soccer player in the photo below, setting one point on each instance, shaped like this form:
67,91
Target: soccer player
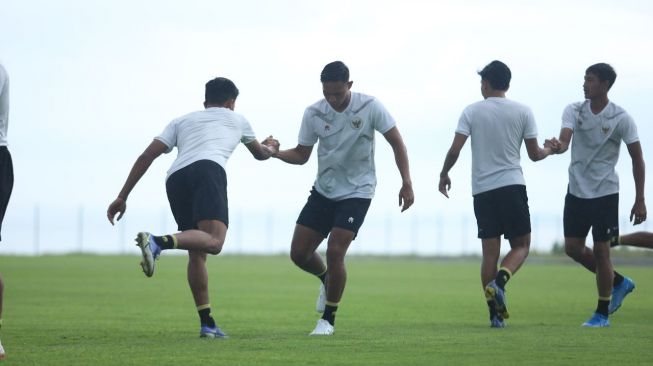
344,123
497,126
598,127
196,186
6,168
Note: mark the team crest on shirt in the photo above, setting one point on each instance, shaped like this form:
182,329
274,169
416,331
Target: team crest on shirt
605,129
356,122
327,127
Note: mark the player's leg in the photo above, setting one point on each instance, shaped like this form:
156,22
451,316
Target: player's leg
313,225
490,260
489,231
198,279
494,295
348,217
196,192
2,290
6,187
339,241
304,244
604,216
640,239
577,224
516,220
303,252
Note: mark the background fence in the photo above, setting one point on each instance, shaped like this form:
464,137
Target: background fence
43,229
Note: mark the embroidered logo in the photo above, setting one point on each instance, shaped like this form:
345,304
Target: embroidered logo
356,122
327,127
605,129
350,220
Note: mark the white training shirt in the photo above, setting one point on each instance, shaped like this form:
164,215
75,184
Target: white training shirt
4,105
346,145
595,146
497,127
210,134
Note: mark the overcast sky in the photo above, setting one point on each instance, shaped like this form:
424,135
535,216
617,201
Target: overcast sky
92,82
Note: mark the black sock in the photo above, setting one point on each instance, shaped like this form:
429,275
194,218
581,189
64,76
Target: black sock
490,306
330,313
618,279
602,307
502,278
206,318
166,241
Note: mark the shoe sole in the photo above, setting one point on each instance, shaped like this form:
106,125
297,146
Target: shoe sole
499,306
142,241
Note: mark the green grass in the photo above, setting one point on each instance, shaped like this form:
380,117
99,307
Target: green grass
101,310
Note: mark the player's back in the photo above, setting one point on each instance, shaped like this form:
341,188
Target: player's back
497,127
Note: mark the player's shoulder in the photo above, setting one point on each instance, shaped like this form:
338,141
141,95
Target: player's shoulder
360,102
319,107
576,106
518,105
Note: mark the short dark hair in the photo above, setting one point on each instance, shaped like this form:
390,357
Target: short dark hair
497,74
220,90
335,71
604,72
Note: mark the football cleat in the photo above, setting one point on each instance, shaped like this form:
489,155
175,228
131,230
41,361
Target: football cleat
2,352
323,328
150,251
320,303
597,321
494,292
212,332
497,322
619,293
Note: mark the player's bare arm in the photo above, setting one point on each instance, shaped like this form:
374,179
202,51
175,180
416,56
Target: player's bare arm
143,162
638,212
406,194
298,155
535,152
263,150
449,161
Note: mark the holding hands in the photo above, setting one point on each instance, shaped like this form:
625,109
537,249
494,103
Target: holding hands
271,144
553,144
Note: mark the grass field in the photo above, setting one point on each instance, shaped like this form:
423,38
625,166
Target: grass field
101,310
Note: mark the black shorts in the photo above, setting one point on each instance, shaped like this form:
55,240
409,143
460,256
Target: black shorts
6,182
601,214
198,192
502,211
322,214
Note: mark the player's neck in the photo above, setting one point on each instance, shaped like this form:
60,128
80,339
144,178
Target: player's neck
597,104
495,94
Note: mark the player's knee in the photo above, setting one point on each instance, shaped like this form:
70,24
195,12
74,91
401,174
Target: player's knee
298,257
573,251
215,246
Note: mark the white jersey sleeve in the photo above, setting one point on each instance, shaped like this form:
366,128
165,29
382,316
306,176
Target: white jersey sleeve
248,132
382,119
629,131
169,135
464,126
307,134
570,115
530,128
